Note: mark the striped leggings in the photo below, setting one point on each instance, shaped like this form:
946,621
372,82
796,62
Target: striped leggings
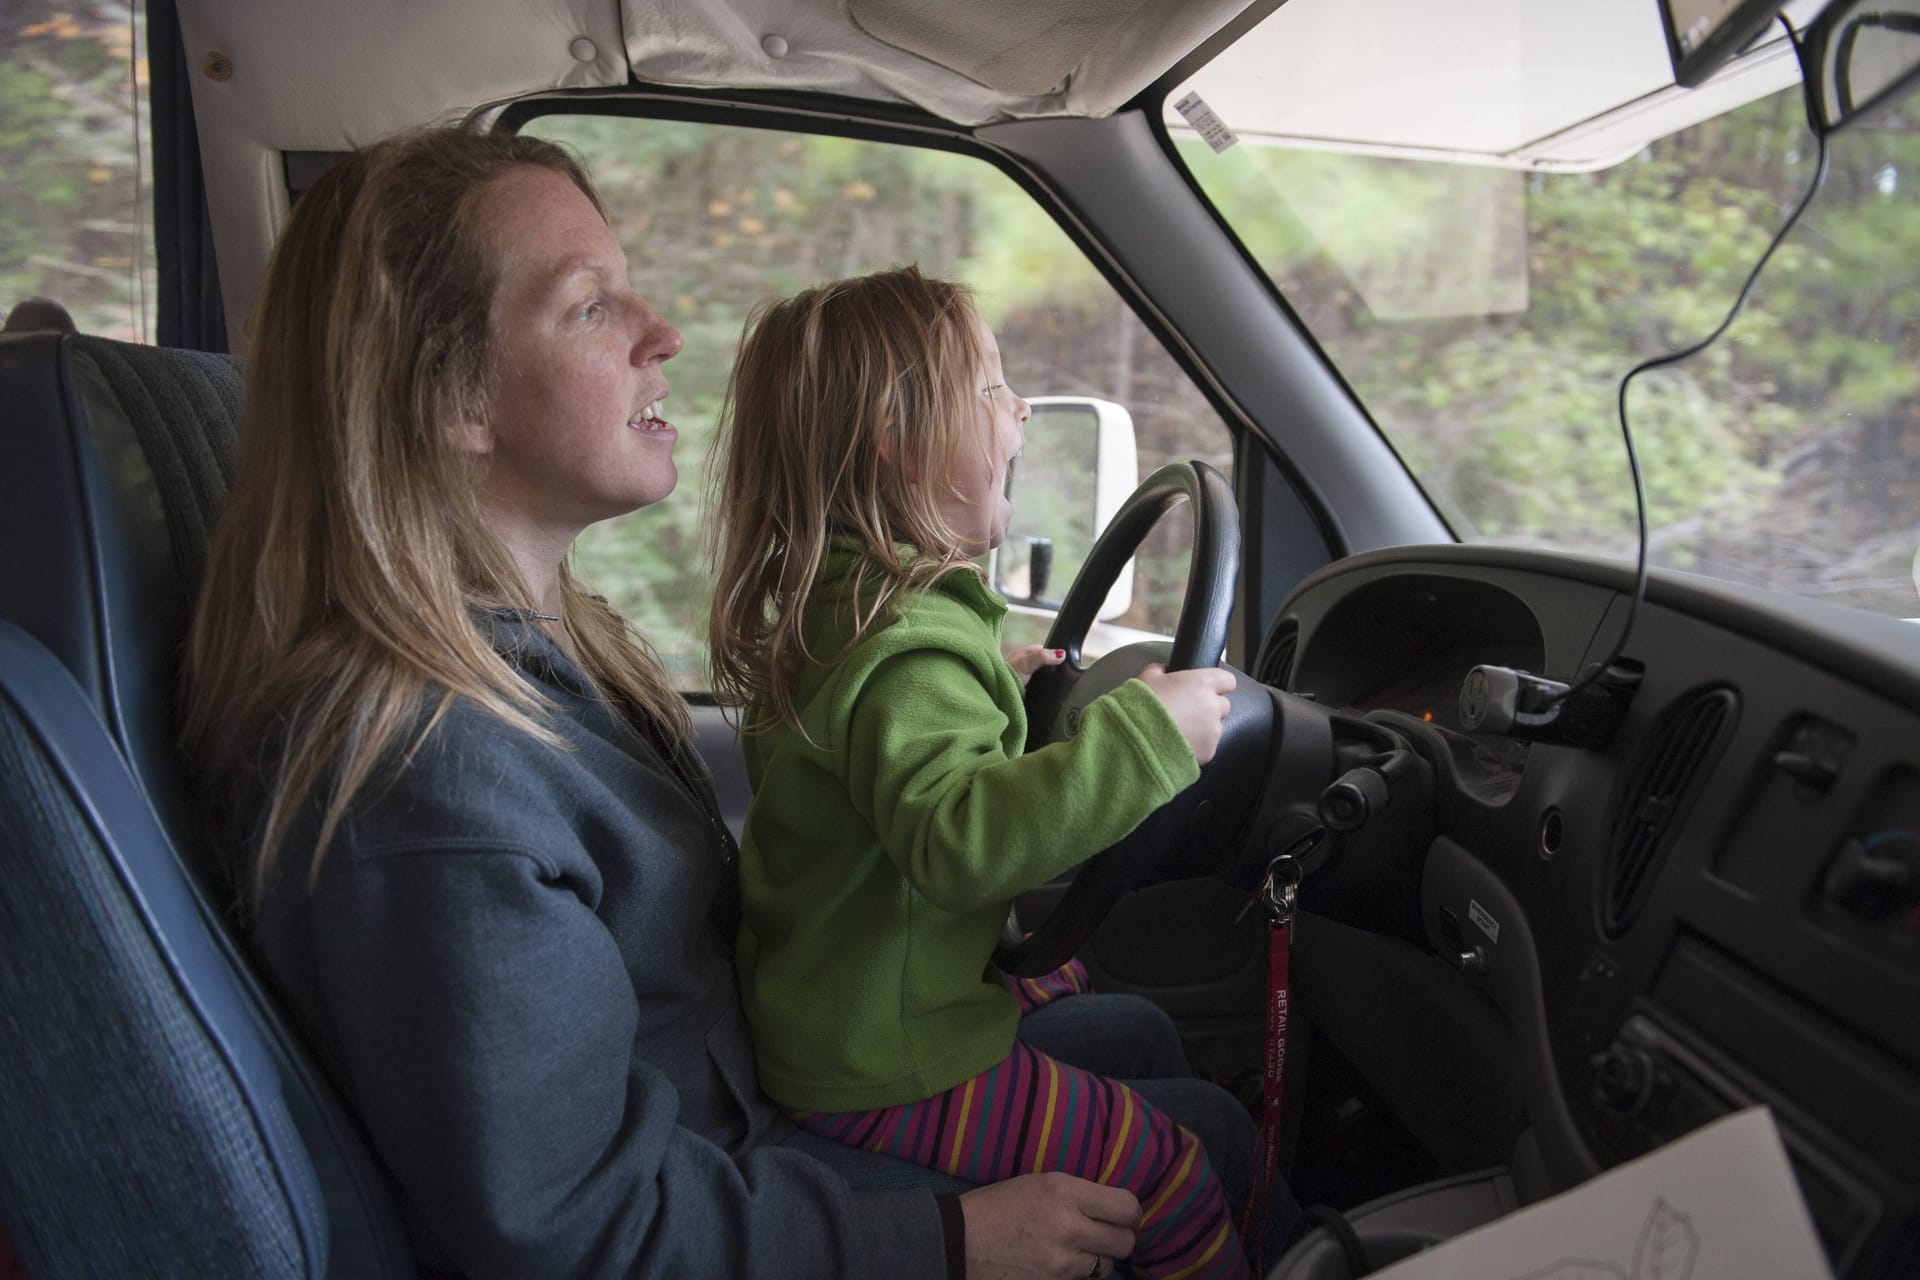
1031,1113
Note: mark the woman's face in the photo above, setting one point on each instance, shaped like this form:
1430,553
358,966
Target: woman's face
573,433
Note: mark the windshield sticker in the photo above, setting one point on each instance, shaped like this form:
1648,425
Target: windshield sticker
1484,918
1211,128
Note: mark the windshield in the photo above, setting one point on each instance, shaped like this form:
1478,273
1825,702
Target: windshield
1484,315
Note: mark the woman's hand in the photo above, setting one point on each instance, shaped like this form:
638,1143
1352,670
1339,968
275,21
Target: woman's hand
1029,658
1197,701
1047,1226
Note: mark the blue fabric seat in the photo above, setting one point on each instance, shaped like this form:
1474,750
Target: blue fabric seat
157,1117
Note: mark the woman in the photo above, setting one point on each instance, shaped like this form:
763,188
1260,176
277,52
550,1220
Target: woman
479,857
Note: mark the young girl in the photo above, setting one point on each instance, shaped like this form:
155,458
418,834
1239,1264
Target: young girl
864,460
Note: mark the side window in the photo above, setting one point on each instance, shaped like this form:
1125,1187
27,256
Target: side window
72,142
716,219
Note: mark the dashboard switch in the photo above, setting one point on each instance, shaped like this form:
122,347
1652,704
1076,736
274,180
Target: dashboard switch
1812,770
1812,756
1623,1078
1876,877
1472,961
1454,949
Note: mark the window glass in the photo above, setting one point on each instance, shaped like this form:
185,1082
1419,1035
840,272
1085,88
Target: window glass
716,219
1485,318
1054,520
73,84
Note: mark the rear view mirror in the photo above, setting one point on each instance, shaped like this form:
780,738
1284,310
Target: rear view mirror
1079,464
1859,57
1702,35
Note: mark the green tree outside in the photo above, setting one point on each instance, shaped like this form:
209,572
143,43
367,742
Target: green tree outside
74,216
1786,456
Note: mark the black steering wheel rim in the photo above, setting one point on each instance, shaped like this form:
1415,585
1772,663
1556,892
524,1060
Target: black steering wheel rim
1200,636
1055,695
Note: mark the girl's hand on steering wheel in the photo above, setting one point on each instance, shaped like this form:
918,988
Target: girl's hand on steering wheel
1029,658
1197,701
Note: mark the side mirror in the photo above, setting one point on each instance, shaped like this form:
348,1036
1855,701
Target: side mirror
1079,465
1859,57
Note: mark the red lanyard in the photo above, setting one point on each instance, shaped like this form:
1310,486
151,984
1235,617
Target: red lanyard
1276,897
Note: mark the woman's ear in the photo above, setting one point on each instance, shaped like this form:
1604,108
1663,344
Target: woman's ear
470,435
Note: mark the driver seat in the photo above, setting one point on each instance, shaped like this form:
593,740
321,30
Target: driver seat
157,1115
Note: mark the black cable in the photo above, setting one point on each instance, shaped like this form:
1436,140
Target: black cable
1633,458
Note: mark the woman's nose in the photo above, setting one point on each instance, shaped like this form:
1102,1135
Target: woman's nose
654,338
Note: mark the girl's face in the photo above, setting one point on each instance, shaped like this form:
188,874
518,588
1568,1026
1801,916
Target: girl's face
573,433
976,504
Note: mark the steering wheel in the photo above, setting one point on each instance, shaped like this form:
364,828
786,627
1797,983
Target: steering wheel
1222,801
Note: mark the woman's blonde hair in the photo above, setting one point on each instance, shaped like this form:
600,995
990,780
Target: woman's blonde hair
342,579
847,409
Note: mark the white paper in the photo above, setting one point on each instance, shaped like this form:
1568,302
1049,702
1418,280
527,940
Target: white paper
1719,1204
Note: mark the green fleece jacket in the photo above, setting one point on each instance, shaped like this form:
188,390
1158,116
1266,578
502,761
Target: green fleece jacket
880,858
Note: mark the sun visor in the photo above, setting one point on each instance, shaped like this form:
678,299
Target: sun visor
273,76
987,61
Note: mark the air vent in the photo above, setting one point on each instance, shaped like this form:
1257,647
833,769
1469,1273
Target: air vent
1655,798
1275,666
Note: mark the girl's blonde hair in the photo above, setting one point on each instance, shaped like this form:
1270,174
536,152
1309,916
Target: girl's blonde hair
342,578
847,409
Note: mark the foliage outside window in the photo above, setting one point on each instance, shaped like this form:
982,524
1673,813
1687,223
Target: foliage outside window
73,84
1787,456
717,219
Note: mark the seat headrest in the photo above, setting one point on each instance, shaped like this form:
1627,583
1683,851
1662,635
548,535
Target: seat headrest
38,315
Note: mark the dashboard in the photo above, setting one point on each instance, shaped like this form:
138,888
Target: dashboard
1718,906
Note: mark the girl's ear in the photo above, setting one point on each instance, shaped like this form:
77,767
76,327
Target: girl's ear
886,452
